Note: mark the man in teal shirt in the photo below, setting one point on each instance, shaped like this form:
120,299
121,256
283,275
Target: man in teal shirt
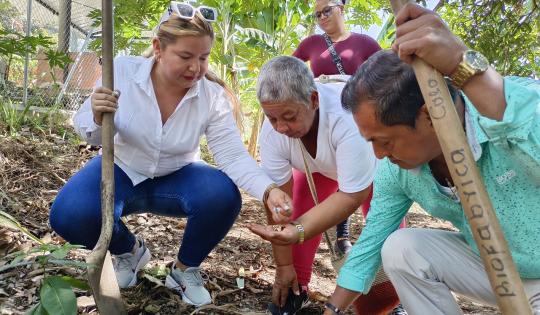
501,118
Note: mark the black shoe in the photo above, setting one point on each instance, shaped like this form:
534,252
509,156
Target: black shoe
343,245
399,310
293,304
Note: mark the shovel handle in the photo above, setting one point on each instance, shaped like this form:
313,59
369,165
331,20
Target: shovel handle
100,271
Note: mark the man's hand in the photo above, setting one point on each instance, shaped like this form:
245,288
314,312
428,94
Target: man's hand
423,33
285,279
287,236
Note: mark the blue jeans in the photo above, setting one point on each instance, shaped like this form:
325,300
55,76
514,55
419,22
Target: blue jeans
206,196
342,229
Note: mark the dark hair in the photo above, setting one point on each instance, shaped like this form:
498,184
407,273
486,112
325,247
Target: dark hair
390,85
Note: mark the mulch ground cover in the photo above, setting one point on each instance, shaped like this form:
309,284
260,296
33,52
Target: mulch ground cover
33,167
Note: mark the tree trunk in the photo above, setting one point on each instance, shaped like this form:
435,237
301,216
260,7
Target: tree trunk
258,118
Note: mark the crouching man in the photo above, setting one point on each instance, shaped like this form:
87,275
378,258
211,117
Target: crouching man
501,118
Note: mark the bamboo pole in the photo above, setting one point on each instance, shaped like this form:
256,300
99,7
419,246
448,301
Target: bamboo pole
501,270
100,271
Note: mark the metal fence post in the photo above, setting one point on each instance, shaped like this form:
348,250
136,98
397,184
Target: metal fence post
64,29
27,57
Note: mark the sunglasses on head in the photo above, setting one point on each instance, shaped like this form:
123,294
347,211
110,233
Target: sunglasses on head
187,11
326,11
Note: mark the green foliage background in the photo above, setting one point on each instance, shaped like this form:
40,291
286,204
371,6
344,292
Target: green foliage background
248,33
506,32
251,32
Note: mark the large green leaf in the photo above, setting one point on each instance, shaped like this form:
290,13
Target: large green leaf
60,252
57,297
76,283
37,310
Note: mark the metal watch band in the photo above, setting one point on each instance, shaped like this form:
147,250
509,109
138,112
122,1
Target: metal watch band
332,307
461,75
472,63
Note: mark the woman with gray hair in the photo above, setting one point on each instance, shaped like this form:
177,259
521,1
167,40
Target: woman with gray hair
336,52
302,114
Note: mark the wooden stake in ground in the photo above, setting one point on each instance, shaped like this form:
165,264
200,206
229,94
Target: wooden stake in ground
485,227
100,271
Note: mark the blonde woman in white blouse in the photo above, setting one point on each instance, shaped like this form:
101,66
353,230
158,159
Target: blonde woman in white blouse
168,102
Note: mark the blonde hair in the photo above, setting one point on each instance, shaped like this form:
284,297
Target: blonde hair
169,31
336,2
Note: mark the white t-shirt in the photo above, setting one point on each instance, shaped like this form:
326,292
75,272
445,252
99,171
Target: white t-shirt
145,148
342,154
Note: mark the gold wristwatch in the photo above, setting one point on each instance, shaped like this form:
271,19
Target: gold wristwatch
301,231
471,64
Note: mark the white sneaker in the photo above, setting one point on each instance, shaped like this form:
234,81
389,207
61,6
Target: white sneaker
190,285
126,266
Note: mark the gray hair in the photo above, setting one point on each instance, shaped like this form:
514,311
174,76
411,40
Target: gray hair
285,79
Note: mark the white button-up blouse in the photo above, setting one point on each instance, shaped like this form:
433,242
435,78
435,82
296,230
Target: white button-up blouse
146,148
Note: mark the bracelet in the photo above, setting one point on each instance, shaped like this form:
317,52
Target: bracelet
267,192
301,231
332,307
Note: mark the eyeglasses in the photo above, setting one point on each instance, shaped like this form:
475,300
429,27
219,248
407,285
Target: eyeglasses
187,11
327,11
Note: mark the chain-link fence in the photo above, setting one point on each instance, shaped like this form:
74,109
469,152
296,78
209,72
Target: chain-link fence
42,76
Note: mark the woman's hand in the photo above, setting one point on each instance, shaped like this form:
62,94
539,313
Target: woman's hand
103,100
285,279
287,236
421,32
279,204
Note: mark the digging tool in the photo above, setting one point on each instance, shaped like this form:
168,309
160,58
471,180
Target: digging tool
100,270
501,270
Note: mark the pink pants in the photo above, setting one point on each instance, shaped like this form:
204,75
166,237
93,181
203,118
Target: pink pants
304,255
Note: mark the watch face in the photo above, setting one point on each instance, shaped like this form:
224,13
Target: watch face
476,60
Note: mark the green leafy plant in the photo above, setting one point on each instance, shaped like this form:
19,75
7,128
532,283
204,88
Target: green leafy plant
56,292
14,46
57,297
506,32
10,116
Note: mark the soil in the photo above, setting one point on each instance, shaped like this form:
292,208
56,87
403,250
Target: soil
35,165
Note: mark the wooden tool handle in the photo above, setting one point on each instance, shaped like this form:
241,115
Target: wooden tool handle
485,227
107,129
100,271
